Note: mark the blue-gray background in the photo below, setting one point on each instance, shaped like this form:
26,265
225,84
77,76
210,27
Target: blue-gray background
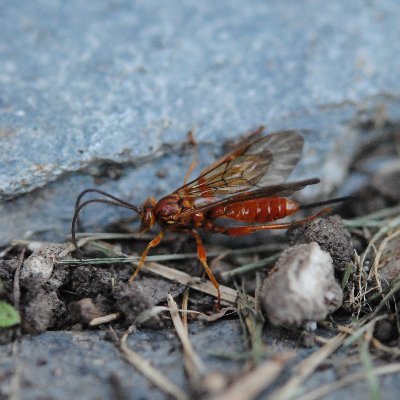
84,83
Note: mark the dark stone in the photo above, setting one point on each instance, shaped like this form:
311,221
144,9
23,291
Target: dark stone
330,234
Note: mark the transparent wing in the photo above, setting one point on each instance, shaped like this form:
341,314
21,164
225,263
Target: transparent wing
264,162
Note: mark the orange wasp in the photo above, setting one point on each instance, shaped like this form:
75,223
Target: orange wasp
246,185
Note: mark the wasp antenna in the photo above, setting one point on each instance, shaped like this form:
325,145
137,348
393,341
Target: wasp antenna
78,199
326,202
84,192
103,201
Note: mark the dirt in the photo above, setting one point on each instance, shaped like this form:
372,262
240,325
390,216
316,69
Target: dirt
386,330
89,281
67,297
57,297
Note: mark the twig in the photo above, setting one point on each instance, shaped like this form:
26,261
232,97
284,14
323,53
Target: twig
193,364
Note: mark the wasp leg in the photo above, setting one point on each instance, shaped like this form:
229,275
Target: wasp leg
155,242
201,252
193,144
246,230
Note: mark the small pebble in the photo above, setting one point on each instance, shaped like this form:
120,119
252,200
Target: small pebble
301,288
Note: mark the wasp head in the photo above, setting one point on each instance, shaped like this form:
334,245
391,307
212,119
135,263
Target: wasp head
148,215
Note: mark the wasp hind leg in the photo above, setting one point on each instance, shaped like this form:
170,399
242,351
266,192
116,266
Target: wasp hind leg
201,253
248,229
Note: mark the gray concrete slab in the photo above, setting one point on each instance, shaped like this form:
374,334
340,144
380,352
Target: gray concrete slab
83,84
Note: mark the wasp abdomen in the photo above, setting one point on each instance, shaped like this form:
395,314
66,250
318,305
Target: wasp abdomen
261,210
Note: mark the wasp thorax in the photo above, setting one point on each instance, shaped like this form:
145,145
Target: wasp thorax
168,209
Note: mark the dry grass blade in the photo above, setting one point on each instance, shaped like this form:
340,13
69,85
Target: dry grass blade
392,224
151,373
185,302
307,367
379,254
93,237
31,245
356,334
104,319
17,289
252,326
34,245
395,287
369,282
5,251
375,219
380,346
123,258
251,266
15,382
193,363
325,390
227,311
113,236
368,366
228,295
256,381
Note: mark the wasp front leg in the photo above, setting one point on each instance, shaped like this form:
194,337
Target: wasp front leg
155,242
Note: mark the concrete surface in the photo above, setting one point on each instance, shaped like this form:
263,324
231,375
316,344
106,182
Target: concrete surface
83,84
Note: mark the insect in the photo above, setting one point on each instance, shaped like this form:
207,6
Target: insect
246,185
